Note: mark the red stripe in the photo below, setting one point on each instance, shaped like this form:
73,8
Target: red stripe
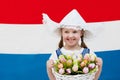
29,11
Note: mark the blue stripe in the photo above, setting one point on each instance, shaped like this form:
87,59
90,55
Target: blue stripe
23,67
111,65
33,66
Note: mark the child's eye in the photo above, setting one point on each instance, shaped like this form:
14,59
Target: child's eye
74,31
66,32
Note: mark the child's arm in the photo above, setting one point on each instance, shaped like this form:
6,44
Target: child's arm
50,65
99,62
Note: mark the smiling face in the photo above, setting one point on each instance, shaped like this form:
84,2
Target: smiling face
71,37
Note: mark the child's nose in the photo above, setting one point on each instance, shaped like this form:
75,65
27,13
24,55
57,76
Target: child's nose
70,35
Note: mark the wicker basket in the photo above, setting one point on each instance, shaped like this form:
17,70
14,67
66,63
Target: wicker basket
89,76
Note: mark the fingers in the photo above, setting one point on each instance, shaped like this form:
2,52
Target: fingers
99,61
50,63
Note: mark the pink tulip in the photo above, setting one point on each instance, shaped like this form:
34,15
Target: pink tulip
61,71
68,70
85,70
79,59
62,60
91,65
92,57
75,68
87,57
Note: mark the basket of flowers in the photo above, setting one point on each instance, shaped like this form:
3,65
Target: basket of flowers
75,68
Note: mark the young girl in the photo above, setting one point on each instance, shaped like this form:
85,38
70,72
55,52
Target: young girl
72,31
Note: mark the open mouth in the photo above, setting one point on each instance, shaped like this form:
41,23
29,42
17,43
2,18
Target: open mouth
70,40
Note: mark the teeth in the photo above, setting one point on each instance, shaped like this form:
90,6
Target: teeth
71,39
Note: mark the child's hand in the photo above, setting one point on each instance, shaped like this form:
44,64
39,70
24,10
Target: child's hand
99,61
50,64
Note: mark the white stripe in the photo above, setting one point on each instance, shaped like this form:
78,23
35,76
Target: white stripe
35,38
106,39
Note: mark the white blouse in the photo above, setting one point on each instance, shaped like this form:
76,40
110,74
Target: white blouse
67,52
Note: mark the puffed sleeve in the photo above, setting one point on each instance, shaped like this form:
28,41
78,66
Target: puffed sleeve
53,56
92,52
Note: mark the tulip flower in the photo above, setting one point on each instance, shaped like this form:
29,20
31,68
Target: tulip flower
91,65
61,71
85,70
62,60
75,68
68,70
68,57
83,63
79,58
92,57
69,63
61,56
75,61
87,57
60,65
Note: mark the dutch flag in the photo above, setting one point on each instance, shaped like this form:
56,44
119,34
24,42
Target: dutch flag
25,44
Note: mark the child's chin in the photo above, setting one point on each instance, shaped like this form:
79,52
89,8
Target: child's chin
72,44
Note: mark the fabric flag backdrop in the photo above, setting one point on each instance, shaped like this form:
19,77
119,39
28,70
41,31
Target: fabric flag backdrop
26,44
